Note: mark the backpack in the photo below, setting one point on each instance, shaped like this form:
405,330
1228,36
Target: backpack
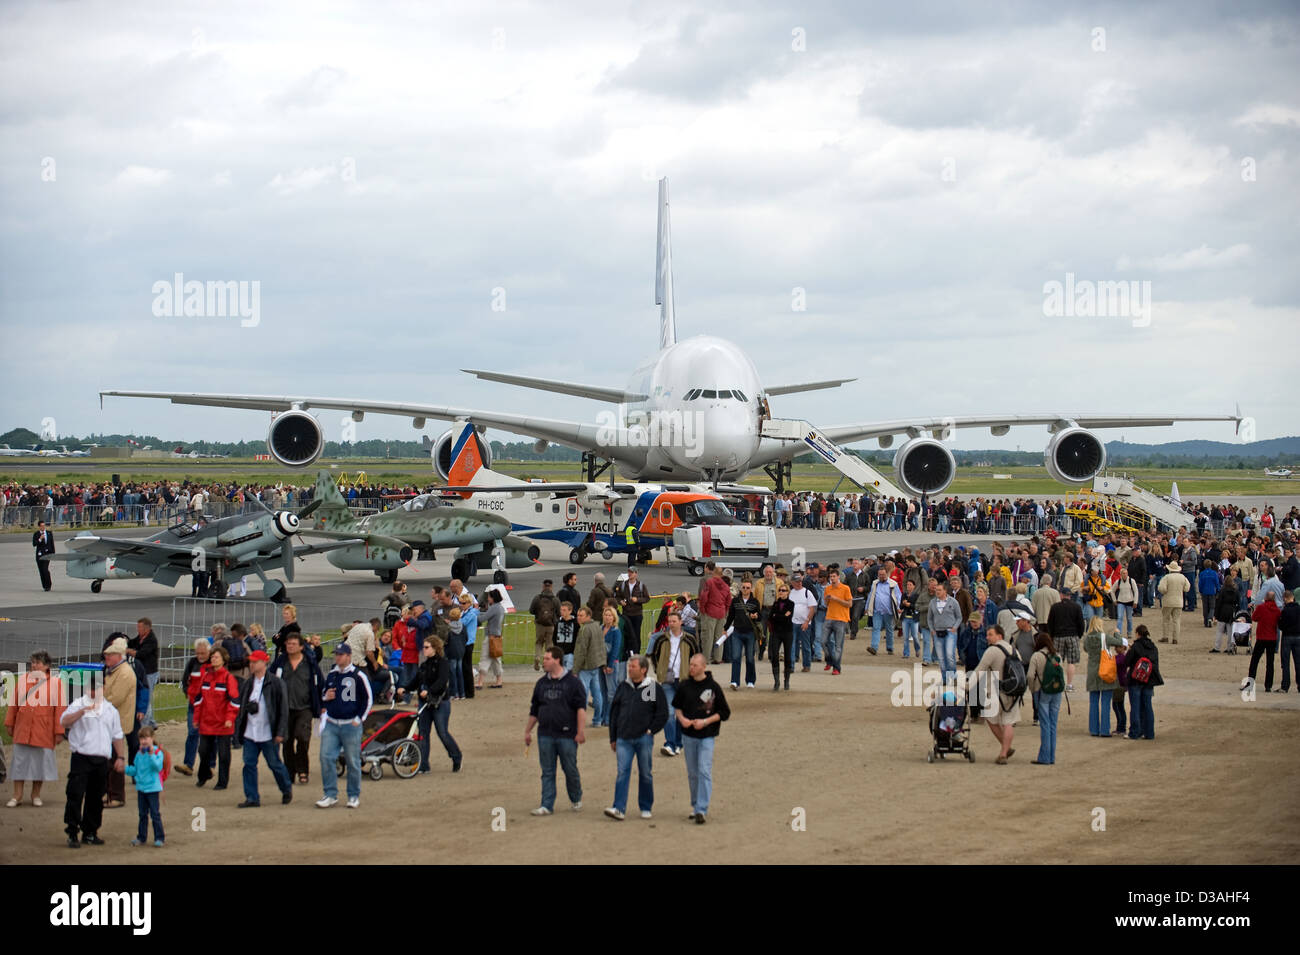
1014,679
238,651
1053,675
167,765
545,616
392,613
1141,672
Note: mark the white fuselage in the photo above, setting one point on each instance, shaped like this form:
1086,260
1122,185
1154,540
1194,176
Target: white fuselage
702,413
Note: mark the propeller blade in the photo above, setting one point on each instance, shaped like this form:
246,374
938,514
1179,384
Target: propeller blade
311,506
286,560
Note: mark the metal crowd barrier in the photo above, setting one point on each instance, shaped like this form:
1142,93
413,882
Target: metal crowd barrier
68,517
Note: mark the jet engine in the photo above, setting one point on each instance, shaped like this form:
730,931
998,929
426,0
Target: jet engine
1074,455
441,452
295,439
924,466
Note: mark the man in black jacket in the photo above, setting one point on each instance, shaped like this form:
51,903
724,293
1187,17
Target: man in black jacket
700,707
144,648
1137,571
261,726
639,710
43,541
1065,624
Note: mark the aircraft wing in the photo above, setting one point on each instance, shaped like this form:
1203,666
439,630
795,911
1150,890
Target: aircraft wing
91,545
615,395
572,434
847,434
806,386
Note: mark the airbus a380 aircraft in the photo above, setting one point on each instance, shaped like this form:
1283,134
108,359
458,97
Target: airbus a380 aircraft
696,410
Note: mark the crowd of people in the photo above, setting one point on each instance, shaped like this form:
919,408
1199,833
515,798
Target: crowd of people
1021,618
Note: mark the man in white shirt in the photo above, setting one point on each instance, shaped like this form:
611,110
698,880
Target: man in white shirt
261,727
94,734
805,607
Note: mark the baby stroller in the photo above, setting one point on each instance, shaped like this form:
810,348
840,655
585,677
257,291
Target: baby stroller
950,727
389,736
1240,632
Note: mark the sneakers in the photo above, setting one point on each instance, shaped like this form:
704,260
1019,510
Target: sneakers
137,842
158,843
871,650
354,802
327,802
692,817
667,750
826,667
248,804
185,770
749,686
835,673
700,819
576,807
735,686
646,814
92,841
615,814
541,811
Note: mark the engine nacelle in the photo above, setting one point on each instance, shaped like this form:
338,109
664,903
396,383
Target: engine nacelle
1074,456
361,557
295,439
924,466
441,452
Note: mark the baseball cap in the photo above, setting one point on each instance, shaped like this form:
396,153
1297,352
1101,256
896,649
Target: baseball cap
259,655
343,648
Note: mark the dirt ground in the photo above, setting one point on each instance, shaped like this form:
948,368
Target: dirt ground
834,753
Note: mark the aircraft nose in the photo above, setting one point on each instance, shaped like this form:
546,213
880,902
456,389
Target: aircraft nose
718,437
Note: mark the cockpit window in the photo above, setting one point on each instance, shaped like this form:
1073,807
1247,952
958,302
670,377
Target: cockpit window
739,395
704,512
708,393
724,394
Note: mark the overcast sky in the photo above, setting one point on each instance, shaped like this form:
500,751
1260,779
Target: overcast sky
922,171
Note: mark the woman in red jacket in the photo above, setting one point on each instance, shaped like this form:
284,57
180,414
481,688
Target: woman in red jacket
215,696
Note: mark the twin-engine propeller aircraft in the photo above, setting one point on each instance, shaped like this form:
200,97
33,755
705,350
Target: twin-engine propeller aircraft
696,410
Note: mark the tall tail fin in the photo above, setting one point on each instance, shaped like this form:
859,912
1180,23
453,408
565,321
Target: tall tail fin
664,273
466,461
332,505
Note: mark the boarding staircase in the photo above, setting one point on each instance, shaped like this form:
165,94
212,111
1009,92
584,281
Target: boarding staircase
851,466
1162,510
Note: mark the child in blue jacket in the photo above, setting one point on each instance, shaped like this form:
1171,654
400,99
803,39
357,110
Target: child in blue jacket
146,769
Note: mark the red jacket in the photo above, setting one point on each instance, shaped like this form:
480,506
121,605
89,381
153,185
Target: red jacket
404,638
1266,615
715,597
215,695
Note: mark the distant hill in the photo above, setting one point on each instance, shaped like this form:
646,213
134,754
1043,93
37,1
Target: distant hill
1275,450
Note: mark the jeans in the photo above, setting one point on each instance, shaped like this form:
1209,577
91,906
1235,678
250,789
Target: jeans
152,680
855,614
191,738
1290,655
1049,711
147,803
594,683
911,634
930,651
548,748
946,644
672,729
611,687
297,745
409,670
1089,611
1207,609
1142,721
1123,612
835,642
819,635
1099,712
699,771
642,748
270,750
803,640
883,621
742,643
1117,697
568,663
436,717
333,738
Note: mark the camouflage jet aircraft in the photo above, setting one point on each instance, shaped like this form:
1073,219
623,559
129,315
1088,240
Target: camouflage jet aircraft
426,523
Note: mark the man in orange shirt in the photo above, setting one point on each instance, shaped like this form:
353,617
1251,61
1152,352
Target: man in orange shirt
839,600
